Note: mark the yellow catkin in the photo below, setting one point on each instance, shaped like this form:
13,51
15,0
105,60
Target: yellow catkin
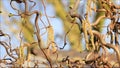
50,40
21,55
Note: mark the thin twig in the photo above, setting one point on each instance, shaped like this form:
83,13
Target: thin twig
107,44
45,12
7,48
39,40
66,36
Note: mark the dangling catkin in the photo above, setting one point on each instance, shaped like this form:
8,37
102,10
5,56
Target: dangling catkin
50,40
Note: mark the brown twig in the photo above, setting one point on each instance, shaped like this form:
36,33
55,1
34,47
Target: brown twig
107,44
7,48
45,12
39,40
66,36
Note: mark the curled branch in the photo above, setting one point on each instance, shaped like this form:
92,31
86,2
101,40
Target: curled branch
38,37
7,48
107,44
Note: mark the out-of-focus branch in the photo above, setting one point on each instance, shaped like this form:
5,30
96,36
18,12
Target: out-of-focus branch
5,45
98,20
76,5
72,12
39,39
45,12
108,45
65,42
